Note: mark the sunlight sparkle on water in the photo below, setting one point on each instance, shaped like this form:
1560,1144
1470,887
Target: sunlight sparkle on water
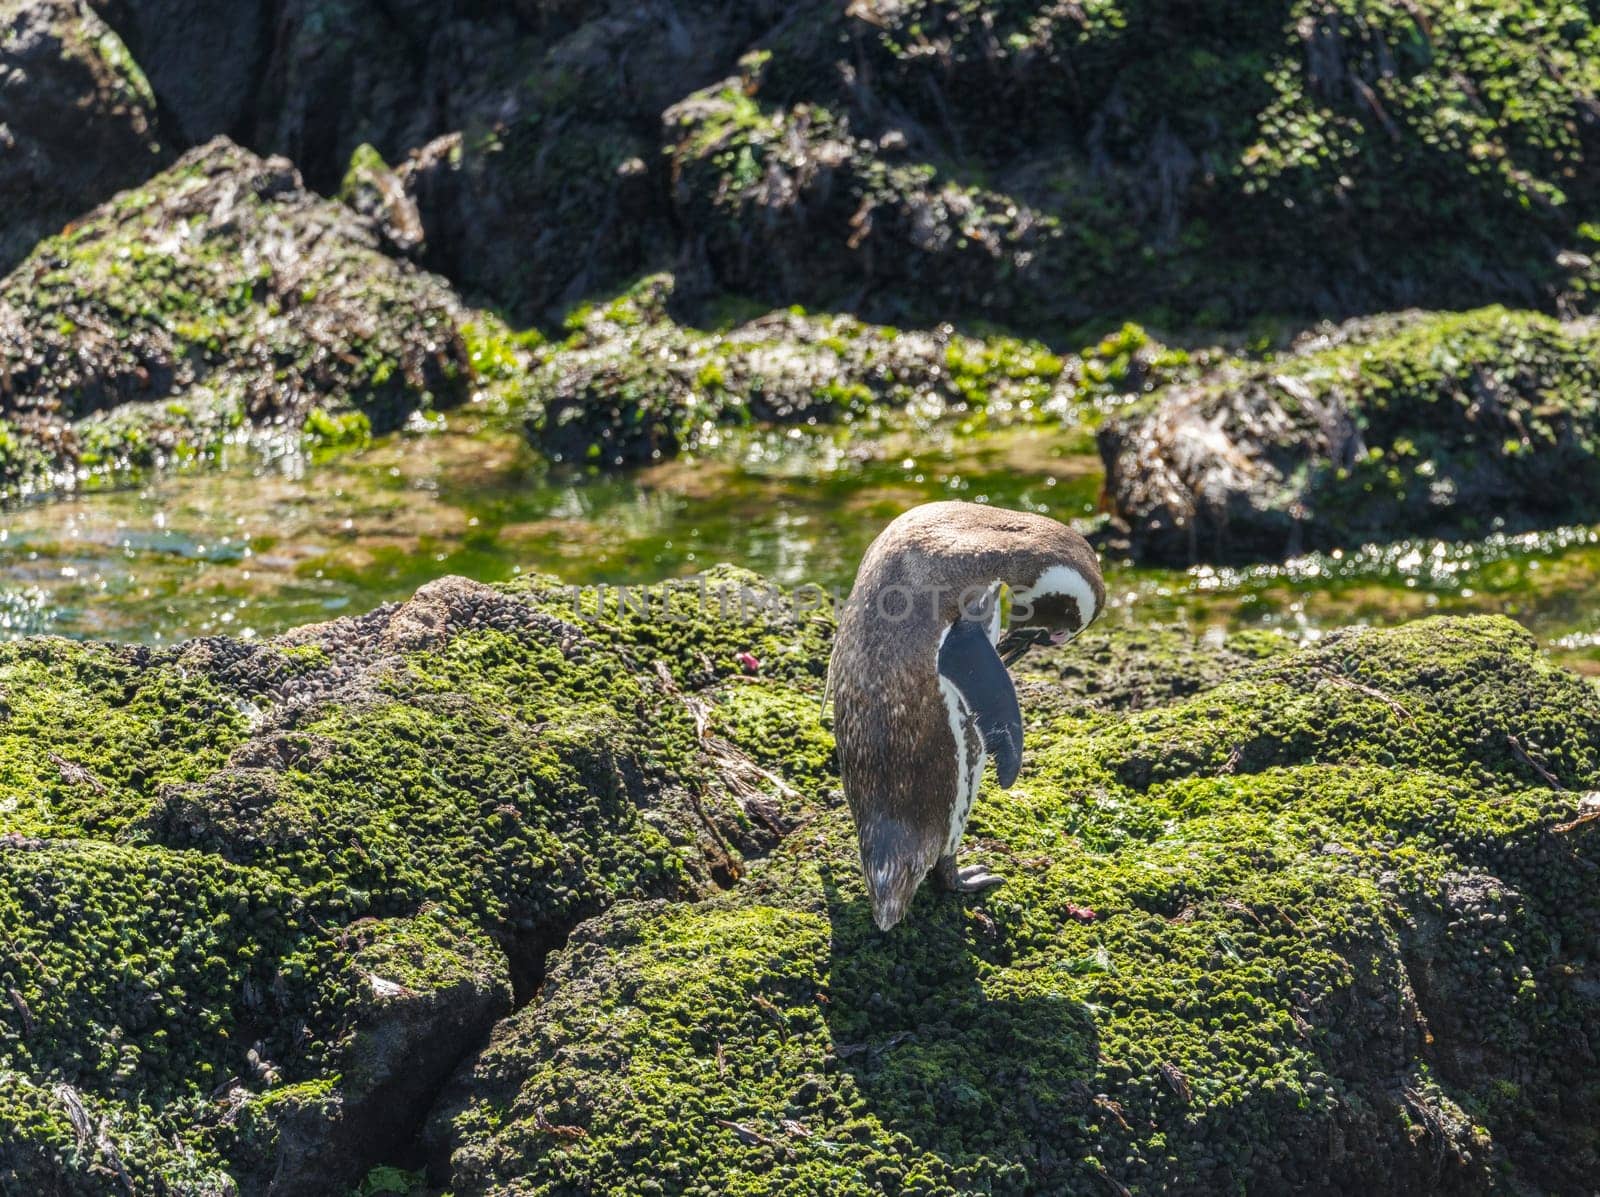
255,550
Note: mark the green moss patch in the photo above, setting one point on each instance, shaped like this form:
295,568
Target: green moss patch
260,898
1311,924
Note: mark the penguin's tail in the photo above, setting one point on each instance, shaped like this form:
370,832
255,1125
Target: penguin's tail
893,864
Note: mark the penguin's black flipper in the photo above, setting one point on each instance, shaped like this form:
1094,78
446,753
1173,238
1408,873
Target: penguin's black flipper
969,663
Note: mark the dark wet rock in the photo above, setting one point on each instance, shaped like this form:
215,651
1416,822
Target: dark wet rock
554,186
1047,162
1032,163
788,200
915,162
1441,424
205,59
77,120
219,296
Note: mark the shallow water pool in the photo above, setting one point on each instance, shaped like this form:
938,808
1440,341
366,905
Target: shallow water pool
259,546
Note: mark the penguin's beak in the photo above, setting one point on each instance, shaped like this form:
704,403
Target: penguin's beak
1018,641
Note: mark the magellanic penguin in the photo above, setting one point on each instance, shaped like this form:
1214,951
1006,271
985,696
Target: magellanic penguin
919,684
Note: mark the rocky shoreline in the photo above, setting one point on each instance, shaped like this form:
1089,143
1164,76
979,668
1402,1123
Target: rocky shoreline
614,264
484,892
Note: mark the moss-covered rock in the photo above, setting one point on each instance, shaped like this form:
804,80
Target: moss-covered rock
257,899
1327,924
1424,424
1038,161
630,384
418,994
1031,162
77,119
917,161
1134,668
1275,917
221,295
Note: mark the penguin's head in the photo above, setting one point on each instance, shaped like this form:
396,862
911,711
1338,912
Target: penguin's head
1063,598
895,857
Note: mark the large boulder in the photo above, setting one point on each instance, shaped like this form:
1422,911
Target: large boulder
1042,162
1444,424
77,119
547,183
1331,924
261,898
534,126
221,293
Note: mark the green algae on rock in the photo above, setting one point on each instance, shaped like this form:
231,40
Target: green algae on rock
257,899
1274,917
1032,161
219,295
1326,924
630,384
1454,424
77,120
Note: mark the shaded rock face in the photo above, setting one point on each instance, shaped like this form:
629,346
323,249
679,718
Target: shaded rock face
1441,424
1028,162
424,991
77,119
225,285
207,57
550,186
1324,926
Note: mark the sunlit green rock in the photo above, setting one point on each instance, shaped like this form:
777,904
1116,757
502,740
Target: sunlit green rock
1274,917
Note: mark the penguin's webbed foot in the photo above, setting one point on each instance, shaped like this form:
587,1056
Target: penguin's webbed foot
971,880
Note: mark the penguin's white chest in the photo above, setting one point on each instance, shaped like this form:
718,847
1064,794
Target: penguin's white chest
970,758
